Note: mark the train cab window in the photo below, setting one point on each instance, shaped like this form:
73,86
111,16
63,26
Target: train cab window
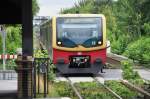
83,31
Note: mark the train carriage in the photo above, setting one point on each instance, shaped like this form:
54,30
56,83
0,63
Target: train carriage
76,42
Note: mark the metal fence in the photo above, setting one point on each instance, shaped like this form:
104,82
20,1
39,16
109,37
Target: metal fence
8,75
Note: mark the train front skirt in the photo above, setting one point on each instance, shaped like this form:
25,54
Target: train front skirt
66,69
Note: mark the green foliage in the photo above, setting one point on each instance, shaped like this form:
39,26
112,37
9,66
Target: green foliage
146,28
120,45
51,73
44,54
13,40
35,7
129,74
121,90
139,50
40,53
61,89
91,90
10,64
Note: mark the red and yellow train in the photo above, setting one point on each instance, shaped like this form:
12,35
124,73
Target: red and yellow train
76,42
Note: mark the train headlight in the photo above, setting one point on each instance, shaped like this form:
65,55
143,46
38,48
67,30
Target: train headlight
85,60
59,43
99,42
74,60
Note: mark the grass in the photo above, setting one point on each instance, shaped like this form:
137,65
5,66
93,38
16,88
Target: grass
91,90
121,90
57,89
61,89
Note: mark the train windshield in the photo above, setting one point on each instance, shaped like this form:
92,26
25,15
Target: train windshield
72,32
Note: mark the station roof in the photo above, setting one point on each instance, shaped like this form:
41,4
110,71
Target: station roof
10,11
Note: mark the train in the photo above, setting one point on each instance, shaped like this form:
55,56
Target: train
76,43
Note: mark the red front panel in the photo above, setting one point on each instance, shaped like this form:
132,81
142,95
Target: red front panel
59,54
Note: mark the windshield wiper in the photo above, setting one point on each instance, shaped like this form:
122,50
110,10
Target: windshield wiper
68,43
88,42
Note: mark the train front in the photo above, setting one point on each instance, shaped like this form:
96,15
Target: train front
79,43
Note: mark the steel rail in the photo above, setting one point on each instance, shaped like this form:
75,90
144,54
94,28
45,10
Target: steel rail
74,88
111,91
135,88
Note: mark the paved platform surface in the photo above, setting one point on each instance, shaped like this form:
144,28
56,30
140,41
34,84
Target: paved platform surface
112,74
8,89
8,85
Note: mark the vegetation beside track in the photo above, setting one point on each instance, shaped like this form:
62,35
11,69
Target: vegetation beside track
133,76
60,89
121,90
44,54
91,90
88,90
140,51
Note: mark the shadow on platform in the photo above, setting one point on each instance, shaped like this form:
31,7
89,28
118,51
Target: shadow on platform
8,94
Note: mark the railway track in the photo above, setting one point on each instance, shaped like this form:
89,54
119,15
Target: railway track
126,84
106,87
102,88
135,88
74,89
95,79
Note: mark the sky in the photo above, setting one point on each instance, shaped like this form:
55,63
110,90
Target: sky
53,7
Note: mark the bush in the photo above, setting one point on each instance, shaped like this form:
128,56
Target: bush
51,73
146,28
10,64
40,54
121,90
13,40
139,50
44,54
120,44
129,74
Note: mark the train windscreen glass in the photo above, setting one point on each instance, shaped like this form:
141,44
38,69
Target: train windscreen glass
72,32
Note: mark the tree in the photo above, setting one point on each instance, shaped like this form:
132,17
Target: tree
13,40
35,7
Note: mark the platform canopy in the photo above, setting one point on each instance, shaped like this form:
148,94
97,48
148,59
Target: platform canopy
19,12
11,11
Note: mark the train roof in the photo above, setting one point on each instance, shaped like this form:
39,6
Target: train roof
74,15
80,15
